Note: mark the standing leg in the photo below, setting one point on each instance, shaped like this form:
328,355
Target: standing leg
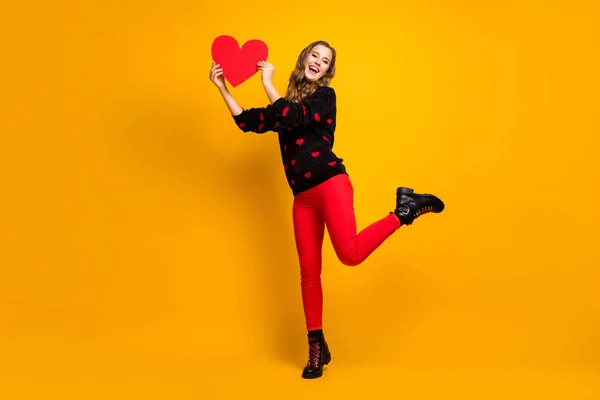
337,203
309,229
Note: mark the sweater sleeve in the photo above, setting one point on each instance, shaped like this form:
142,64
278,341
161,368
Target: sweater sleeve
258,120
311,110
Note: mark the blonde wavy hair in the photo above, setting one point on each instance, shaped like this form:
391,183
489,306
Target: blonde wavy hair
299,87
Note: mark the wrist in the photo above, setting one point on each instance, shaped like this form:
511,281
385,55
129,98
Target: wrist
223,90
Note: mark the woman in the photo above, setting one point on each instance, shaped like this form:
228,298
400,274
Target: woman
305,121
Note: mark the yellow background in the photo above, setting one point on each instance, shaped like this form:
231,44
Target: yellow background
148,248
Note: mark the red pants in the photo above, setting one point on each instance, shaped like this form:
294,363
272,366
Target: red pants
331,204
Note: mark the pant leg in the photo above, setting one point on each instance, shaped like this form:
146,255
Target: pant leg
337,204
309,229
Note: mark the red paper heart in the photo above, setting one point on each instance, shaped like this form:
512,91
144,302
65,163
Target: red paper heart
238,63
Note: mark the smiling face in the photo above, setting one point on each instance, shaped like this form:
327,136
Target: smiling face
317,62
315,67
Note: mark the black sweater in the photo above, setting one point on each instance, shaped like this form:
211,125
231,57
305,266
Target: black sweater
306,134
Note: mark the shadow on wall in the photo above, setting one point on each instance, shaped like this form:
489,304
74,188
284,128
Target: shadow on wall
172,138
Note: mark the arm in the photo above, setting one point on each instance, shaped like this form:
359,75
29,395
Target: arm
313,109
271,92
257,120
267,80
232,105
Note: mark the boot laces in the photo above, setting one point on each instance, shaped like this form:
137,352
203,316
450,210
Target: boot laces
314,353
423,210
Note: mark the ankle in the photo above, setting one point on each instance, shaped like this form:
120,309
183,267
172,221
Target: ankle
315,333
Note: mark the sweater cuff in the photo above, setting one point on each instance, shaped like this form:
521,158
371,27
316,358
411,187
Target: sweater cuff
239,117
279,102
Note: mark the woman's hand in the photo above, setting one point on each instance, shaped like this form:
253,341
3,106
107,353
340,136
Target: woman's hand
267,70
216,76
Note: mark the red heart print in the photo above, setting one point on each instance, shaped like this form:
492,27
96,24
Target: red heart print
315,154
238,63
307,175
329,121
317,118
332,163
299,141
293,162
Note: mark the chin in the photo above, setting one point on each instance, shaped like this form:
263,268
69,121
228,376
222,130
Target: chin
311,76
